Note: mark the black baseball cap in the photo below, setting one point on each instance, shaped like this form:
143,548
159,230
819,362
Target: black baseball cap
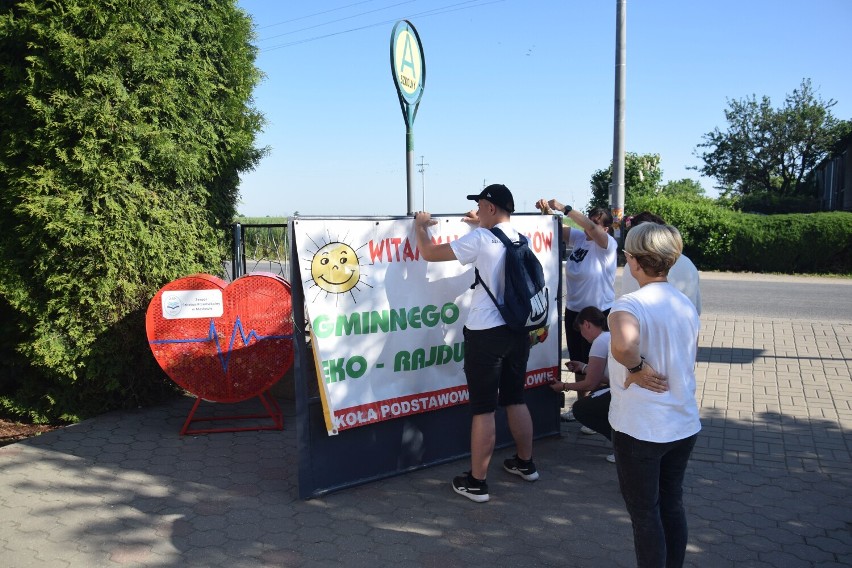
499,195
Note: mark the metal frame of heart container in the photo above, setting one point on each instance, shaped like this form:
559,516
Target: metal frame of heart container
224,343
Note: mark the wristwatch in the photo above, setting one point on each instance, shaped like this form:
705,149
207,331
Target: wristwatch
567,209
638,367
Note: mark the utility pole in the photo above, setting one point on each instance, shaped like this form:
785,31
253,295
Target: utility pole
422,171
616,197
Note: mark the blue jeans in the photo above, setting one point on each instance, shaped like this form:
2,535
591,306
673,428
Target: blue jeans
651,479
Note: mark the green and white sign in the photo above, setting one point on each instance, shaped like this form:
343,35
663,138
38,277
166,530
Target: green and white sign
387,326
408,66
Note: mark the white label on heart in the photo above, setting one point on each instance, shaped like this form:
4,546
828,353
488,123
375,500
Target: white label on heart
186,304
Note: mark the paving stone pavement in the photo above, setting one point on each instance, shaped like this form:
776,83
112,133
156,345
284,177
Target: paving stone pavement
768,484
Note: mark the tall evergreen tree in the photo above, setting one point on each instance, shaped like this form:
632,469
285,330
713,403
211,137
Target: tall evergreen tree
124,126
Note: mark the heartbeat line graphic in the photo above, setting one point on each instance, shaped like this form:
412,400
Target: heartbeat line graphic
212,335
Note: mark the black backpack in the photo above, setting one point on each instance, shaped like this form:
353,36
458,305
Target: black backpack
526,303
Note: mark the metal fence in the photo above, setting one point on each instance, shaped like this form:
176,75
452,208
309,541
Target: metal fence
259,248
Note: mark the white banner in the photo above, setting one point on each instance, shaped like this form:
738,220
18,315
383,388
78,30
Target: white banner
387,325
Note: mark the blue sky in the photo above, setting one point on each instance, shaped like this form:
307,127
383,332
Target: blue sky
517,92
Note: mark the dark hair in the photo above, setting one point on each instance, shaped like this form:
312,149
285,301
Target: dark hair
605,213
646,217
592,315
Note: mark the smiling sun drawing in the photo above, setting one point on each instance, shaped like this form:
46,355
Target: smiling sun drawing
336,268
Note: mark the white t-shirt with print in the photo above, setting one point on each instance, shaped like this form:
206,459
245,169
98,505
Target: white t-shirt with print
590,273
488,253
668,339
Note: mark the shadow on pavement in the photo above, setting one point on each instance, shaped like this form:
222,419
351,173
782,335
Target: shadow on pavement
125,488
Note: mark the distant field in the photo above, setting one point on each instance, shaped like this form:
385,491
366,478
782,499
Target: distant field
264,243
260,220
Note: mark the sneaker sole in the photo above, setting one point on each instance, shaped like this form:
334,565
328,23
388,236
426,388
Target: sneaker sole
529,477
471,496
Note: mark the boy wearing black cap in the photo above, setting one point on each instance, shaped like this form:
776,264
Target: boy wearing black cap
495,360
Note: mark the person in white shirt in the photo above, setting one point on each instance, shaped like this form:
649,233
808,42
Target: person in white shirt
653,411
589,272
495,357
591,411
683,275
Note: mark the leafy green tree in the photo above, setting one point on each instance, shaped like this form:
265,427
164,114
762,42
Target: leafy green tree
642,175
124,127
685,189
771,150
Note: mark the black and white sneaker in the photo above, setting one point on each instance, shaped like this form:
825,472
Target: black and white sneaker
525,469
469,487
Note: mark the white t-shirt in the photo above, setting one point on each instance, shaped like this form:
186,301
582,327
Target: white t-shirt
589,273
668,339
600,348
683,276
483,248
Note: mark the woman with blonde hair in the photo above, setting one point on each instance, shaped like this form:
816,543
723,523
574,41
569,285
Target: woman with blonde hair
653,411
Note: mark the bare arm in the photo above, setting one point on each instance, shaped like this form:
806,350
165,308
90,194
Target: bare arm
429,250
624,346
471,218
624,338
598,233
594,375
544,206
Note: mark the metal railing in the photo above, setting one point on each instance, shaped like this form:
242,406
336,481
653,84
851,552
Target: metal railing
259,248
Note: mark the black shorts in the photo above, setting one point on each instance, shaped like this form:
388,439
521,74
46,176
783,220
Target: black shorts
495,366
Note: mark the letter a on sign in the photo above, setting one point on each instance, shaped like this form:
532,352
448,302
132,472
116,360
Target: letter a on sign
407,59
408,66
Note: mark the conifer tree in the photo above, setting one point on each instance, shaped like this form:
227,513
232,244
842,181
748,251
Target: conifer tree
124,126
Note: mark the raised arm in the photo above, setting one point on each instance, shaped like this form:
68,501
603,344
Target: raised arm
598,233
429,250
544,206
471,218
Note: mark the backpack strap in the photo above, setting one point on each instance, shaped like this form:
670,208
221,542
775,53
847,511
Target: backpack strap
479,280
506,243
502,236
505,240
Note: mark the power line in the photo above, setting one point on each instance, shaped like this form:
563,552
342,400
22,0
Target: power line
312,15
433,12
335,21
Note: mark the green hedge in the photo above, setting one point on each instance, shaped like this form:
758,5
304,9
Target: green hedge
124,127
716,238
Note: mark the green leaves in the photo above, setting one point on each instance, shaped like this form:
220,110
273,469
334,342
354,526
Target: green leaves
123,129
771,150
642,175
